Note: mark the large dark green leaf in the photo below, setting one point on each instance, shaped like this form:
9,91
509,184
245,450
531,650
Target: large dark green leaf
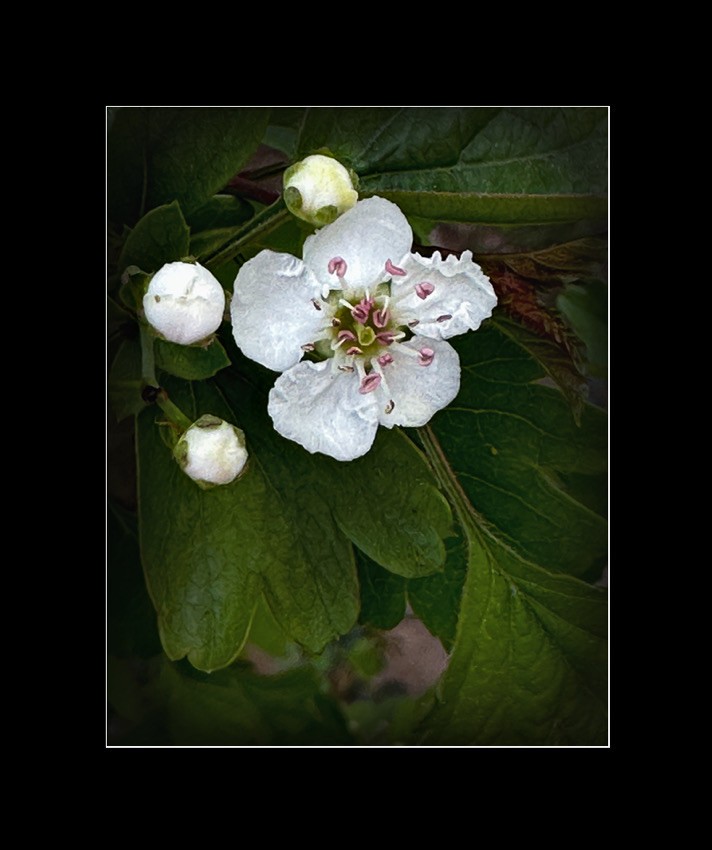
208,554
235,707
160,154
489,179
387,502
529,661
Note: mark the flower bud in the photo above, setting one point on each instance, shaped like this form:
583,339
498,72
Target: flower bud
211,451
184,303
319,189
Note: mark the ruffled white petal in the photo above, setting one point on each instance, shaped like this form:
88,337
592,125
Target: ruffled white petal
417,391
365,237
273,311
322,410
461,290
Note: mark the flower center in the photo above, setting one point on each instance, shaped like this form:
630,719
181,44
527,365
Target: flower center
362,325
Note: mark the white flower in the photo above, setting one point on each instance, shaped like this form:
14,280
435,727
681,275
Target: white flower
376,314
212,451
318,189
184,302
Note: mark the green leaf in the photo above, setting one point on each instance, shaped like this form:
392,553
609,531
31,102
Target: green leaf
216,222
239,707
199,549
131,620
161,237
436,599
192,362
382,594
529,660
489,179
387,502
392,508
554,359
283,130
160,154
208,554
219,211
508,438
125,382
585,306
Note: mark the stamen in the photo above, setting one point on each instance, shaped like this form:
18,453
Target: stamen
444,318
394,270
362,310
354,350
338,265
346,368
386,337
370,383
381,317
342,336
317,305
385,359
308,347
345,303
413,323
389,407
335,323
423,289
427,355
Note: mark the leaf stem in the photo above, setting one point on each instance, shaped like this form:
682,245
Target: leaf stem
263,223
158,394
446,477
172,411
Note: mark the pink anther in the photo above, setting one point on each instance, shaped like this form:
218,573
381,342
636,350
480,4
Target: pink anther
385,359
370,383
386,337
427,355
381,318
422,290
444,317
362,310
342,336
394,270
354,350
338,265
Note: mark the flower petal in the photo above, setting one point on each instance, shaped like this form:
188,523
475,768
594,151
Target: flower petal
417,391
273,309
455,291
321,409
365,237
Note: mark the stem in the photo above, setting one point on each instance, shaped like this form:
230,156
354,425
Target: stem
262,224
148,360
148,373
446,477
174,413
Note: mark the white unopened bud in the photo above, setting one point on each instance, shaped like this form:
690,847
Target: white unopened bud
319,189
184,303
212,451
